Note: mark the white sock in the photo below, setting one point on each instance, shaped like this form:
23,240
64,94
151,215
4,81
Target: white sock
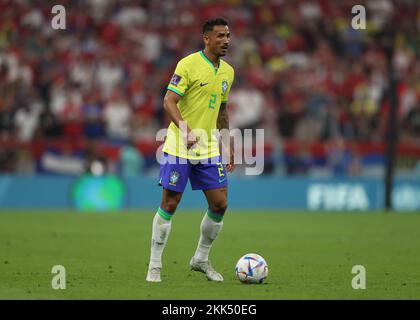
160,234
209,230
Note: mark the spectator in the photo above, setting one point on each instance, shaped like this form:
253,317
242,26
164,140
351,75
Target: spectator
26,122
49,127
117,117
93,120
94,161
299,163
247,104
341,159
25,164
131,160
7,127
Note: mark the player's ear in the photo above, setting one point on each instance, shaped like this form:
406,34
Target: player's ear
206,38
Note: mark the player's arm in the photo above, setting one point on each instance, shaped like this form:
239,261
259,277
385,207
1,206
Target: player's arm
223,117
223,124
170,105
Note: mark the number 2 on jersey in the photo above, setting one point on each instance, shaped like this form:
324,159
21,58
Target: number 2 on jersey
212,102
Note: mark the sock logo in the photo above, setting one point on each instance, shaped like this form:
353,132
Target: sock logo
163,236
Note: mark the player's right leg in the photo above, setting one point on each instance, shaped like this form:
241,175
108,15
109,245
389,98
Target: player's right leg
173,179
160,232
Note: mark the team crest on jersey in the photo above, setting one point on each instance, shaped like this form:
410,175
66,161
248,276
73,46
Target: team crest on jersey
224,86
175,79
173,178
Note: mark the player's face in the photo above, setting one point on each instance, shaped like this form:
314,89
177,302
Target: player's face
218,40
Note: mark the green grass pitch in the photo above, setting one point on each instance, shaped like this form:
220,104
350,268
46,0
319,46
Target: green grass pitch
310,255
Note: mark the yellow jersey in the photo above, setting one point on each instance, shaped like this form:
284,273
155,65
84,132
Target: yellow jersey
203,88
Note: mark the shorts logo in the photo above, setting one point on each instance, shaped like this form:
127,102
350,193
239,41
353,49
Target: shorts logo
174,178
175,79
224,86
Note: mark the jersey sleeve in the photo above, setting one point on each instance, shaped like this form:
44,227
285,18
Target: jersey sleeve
226,94
180,81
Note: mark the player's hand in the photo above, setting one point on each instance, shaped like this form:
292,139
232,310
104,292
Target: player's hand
231,165
192,139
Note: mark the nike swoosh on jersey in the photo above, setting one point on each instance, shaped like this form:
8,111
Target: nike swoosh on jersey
222,180
203,84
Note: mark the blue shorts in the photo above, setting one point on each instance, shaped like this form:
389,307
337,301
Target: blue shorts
203,174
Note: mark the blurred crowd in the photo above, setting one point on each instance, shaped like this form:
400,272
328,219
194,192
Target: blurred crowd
302,73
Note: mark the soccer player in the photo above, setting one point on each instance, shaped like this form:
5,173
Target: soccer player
196,104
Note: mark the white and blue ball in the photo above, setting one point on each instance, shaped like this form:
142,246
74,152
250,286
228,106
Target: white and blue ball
251,268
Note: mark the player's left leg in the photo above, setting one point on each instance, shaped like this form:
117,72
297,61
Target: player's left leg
209,229
212,179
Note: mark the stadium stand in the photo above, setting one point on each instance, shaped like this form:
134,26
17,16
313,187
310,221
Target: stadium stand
319,88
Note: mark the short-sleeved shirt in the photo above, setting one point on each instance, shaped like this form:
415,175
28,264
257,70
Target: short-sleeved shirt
203,88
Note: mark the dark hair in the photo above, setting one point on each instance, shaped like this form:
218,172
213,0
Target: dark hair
209,24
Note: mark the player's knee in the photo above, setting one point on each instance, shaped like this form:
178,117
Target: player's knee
219,207
170,205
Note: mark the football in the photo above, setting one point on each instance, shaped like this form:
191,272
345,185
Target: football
251,268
